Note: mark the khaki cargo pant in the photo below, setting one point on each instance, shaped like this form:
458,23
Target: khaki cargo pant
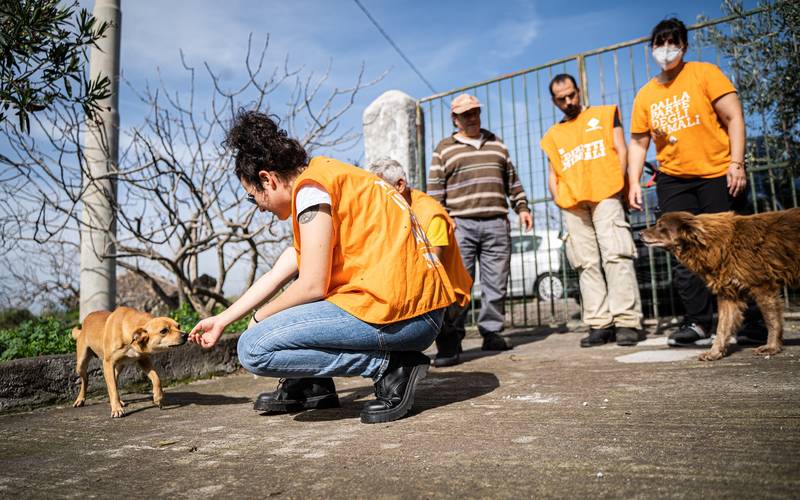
600,246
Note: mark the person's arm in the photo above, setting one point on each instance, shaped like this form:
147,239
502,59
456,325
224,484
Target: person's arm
552,180
208,330
515,192
316,232
619,144
437,180
316,235
729,112
637,151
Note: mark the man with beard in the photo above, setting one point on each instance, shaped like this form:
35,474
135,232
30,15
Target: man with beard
588,161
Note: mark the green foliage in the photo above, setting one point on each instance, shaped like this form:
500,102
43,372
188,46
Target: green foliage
49,335
43,45
764,53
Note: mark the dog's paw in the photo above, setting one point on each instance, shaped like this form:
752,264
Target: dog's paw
710,356
767,350
159,403
118,413
78,403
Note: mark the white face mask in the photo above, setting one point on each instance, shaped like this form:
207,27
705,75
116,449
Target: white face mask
667,56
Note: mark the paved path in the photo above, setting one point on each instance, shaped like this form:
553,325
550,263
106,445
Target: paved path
547,419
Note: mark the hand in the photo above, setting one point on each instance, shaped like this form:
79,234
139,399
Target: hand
526,219
635,196
207,332
737,180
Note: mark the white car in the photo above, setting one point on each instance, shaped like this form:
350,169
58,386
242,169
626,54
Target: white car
536,261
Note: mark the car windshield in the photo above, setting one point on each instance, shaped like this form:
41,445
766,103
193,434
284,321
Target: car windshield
527,243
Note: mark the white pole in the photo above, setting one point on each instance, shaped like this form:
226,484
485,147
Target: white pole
98,269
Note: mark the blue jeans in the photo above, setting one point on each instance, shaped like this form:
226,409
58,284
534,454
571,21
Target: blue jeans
322,340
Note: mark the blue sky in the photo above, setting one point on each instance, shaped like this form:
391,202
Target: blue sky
452,43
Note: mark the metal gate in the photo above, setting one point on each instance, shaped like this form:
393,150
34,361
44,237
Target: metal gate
517,107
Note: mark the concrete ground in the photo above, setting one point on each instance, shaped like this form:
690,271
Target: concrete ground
547,419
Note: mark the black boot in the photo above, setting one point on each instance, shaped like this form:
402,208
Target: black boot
598,336
395,390
295,394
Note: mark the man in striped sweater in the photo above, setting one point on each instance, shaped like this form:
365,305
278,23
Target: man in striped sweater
471,175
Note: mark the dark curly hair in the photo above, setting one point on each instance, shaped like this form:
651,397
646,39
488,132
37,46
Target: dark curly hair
669,30
259,144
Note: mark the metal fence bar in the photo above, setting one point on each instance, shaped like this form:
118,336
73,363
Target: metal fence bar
773,184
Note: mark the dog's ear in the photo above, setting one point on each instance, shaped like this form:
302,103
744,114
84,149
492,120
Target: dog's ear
685,229
140,336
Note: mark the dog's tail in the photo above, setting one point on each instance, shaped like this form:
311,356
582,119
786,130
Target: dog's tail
76,332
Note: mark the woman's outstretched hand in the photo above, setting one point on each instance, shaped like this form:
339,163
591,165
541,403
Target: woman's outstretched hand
207,332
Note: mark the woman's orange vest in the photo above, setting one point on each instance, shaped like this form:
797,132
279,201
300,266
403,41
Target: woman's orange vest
382,270
426,208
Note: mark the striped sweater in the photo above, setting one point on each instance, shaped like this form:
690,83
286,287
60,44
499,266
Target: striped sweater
474,183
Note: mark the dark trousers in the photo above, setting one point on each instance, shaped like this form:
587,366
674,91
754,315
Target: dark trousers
698,196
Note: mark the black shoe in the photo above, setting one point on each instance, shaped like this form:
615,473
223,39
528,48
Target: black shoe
296,394
442,360
598,336
690,335
752,333
627,336
395,389
494,342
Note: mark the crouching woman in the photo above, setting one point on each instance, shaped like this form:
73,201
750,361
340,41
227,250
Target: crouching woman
369,293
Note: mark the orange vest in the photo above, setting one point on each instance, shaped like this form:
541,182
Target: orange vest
382,270
583,157
426,208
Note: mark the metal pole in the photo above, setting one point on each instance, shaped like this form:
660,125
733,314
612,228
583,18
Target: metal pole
98,228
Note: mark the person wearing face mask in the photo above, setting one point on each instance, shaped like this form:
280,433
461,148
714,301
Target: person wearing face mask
693,114
587,161
471,176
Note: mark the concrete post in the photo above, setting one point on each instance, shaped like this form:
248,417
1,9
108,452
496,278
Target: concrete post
101,141
390,131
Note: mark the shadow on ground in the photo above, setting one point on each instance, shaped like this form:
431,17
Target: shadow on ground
517,338
437,390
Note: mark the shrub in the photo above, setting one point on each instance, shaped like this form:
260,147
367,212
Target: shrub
35,338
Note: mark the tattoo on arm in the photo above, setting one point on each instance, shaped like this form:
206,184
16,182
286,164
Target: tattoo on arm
308,214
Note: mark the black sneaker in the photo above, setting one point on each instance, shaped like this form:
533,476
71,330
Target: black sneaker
394,391
627,337
494,342
598,336
752,333
690,335
296,394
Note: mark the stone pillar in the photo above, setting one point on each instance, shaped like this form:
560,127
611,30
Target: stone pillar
390,131
98,269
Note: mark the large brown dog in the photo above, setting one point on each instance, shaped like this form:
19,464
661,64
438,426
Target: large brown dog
738,257
120,337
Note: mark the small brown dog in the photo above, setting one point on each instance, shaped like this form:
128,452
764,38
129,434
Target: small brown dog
738,257
120,337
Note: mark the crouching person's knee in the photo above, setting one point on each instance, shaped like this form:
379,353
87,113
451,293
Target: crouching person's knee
253,355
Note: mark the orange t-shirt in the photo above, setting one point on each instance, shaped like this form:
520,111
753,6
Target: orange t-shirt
382,270
690,140
583,157
426,208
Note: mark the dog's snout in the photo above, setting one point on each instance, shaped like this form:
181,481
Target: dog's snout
184,337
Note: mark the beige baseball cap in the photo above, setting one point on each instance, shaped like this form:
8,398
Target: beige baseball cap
463,103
